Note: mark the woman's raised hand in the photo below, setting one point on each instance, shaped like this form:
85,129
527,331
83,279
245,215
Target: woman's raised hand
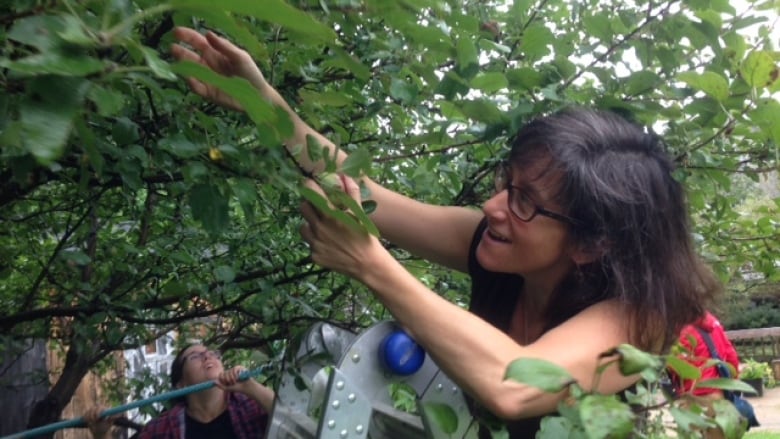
333,244
99,427
221,56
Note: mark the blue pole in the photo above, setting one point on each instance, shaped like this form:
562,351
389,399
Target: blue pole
79,422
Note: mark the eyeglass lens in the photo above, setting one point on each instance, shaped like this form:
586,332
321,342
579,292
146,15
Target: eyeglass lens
202,355
519,203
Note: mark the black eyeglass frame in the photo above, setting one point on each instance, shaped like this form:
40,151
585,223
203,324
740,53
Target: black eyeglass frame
503,181
202,355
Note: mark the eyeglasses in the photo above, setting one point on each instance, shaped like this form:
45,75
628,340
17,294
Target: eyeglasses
202,355
519,203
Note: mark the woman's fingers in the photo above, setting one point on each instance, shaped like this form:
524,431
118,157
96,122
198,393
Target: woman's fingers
204,52
310,213
229,378
306,233
225,47
311,184
351,188
219,55
191,37
91,415
197,86
183,54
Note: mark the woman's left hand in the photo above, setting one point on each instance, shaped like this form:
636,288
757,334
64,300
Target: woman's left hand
228,380
333,244
99,427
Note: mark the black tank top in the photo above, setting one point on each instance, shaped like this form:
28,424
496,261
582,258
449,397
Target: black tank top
219,428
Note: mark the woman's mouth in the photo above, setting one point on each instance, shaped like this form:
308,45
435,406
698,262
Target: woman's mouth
495,236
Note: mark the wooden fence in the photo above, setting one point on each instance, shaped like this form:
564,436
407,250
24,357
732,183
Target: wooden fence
761,344
26,379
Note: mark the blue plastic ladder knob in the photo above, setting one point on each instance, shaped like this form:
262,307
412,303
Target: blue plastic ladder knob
400,354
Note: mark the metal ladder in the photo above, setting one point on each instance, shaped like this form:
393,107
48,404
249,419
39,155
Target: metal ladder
338,388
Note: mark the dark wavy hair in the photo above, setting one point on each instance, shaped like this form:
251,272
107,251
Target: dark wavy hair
177,371
177,366
617,180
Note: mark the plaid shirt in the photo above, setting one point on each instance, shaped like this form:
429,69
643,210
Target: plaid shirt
248,418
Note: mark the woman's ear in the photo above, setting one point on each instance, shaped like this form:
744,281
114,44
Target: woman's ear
588,252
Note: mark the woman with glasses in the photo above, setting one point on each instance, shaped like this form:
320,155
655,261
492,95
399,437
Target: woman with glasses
231,409
584,245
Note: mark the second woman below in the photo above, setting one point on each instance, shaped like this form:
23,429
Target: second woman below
584,245
232,409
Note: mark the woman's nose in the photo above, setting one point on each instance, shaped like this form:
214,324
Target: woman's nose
495,206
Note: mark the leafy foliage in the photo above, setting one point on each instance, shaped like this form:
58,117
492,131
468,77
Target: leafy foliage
587,414
131,207
757,370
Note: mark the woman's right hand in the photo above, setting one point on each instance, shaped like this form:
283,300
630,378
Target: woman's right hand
99,427
221,56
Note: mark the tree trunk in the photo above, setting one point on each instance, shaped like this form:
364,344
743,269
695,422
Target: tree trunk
48,410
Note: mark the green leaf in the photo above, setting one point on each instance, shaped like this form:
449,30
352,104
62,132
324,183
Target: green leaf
632,360
488,45
176,289
368,206
107,100
481,110
224,274
357,164
327,98
441,416
88,141
525,78
55,64
47,115
556,427
725,384
125,131
467,53
39,31
759,69
535,41
766,115
357,210
604,416
76,256
209,207
245,192
259,110
490,82
451,85
641,82
687,419
710,83
599,26
322,204
315,152
180,146
74,33
735,45
160,68
430,37
402,90
728,419
273,11
538,373
195,172
349,63
227,24
682,368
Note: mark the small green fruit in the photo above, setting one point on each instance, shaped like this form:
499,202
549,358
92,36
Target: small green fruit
330,182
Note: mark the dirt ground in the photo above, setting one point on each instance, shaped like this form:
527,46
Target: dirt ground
767,410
